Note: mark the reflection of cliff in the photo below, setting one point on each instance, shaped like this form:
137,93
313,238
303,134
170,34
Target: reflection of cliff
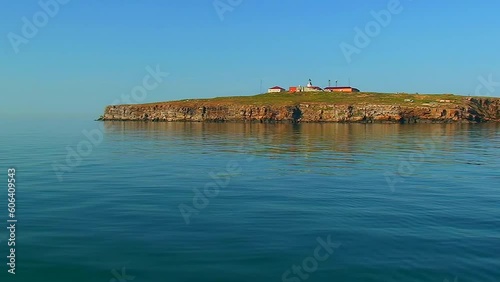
292,139
472,110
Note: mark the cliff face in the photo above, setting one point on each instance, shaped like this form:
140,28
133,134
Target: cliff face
471,110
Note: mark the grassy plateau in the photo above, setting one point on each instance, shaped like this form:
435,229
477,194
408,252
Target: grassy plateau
286,98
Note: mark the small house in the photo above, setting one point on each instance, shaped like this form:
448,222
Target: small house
275,89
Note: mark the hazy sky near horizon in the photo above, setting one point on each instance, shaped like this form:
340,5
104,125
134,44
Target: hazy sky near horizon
88,54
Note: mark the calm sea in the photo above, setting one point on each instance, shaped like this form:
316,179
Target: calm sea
132,201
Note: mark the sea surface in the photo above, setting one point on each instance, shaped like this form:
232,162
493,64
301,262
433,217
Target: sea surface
134,201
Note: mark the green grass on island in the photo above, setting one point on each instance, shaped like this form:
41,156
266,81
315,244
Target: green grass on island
286,98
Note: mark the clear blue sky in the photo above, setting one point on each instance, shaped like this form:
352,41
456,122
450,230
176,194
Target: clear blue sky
90,52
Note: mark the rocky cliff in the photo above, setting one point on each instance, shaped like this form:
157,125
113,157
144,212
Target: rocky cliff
461,110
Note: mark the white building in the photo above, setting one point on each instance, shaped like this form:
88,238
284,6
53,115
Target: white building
311,88
275,89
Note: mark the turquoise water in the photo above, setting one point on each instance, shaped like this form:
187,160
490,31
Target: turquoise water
397,202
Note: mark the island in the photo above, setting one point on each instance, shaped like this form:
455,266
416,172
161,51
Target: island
282,106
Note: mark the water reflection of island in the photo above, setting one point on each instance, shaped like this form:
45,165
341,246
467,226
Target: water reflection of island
279,139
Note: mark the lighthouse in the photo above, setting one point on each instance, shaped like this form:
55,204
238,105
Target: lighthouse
309,84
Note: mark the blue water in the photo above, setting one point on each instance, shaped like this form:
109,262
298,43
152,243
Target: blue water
396,202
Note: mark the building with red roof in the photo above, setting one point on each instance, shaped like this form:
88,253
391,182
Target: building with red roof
347,89
276,89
